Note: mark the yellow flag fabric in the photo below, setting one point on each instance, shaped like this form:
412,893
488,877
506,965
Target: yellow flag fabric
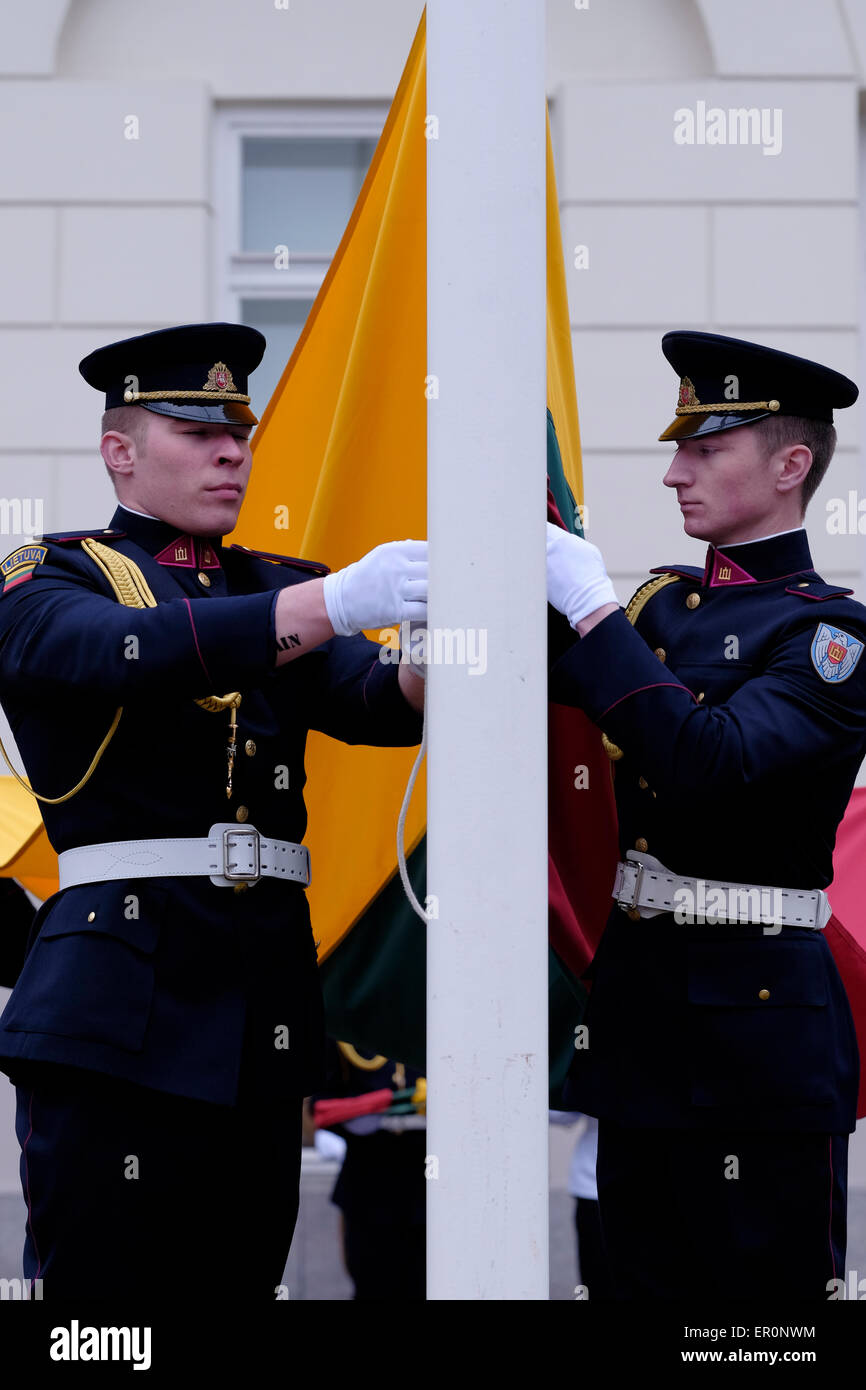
339,465
25,853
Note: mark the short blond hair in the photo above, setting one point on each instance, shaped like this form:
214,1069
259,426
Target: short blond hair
127,419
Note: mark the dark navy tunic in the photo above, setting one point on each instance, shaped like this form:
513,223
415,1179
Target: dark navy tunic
739,704
161,993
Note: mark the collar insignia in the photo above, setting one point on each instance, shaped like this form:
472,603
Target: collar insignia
186,553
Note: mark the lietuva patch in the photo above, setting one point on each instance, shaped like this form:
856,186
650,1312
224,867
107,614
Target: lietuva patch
20,564
835,653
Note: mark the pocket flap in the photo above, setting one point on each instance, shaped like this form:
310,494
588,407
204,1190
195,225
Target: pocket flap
766,973
129,910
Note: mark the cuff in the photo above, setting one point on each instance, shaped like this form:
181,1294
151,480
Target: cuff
396,718
608,666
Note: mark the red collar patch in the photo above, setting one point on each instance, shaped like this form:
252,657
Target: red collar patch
727,572
189,552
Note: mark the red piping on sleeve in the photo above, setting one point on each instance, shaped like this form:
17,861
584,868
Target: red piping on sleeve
366,679
657,685
195,639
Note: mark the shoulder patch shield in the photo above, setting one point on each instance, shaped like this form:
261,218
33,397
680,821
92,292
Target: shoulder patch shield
21,564
835,653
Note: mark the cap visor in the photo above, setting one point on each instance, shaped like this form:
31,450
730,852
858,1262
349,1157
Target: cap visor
687,426
220,413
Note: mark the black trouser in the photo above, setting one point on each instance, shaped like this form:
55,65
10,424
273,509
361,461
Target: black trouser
592,1263
136,1194
382,1192
716,1215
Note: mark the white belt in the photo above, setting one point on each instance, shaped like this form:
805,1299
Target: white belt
647,887
231,854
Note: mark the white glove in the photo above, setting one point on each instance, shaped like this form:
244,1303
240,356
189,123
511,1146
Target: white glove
577,581
386,586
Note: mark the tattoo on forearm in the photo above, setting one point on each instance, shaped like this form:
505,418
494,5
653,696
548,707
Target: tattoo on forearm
285,644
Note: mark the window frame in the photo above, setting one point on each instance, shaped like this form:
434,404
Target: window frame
238,274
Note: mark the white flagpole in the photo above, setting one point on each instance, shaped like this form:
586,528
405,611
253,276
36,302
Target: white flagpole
487,1165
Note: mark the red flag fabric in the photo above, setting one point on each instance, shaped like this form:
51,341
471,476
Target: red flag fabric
337,1111
846,930
582,831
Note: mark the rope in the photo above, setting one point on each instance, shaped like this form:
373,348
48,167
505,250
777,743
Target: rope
401,825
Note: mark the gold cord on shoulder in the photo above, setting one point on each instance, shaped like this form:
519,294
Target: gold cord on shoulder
641,598
56,800
133,591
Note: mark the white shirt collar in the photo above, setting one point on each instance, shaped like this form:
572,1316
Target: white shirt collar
755,541
149,515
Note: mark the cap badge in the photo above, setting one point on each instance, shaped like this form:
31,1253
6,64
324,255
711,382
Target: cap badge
687,393
219,378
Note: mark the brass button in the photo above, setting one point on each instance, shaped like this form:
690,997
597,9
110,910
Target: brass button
763,994
242,813
700,697
250,748
642,783
204,579
241,887
91,916
633,915
661,653
803,586
641,845
693,600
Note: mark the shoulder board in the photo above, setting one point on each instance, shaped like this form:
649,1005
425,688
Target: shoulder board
817,590
68,537
312,566
681,571
644,593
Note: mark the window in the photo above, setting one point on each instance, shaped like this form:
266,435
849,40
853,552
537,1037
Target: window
286,182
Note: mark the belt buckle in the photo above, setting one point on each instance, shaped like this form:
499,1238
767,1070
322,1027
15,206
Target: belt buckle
637,883
242,875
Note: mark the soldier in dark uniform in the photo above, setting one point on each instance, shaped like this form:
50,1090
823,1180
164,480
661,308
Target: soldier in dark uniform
721,1056
160,684
381,1189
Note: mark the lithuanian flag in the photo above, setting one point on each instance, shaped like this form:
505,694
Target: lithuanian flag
343,443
